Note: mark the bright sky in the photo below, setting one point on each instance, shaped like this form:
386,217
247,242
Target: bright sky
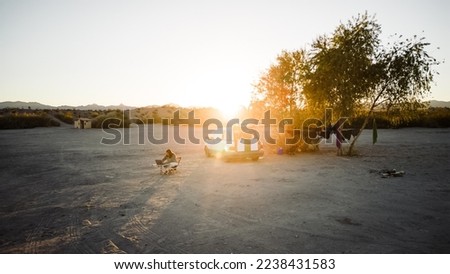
191,53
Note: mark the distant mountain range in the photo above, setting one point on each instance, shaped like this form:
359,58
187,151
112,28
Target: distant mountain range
36,105
440,104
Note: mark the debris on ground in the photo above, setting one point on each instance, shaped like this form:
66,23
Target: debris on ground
387,173
347,221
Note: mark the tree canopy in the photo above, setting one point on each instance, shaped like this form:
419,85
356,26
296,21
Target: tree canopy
342,68
351,72
279,88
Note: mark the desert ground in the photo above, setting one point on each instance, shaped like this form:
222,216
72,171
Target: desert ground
62,191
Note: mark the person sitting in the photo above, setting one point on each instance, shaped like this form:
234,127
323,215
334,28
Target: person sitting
169,161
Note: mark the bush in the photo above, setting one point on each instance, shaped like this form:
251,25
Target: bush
430,118
64,117
111,119
24,120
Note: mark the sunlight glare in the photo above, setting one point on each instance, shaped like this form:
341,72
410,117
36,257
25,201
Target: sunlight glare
228,109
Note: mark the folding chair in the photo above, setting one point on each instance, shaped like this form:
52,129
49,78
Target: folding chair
168,168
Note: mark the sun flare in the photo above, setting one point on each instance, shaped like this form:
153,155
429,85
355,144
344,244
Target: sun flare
229,110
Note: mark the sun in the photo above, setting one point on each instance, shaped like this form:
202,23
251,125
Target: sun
230,104
229,110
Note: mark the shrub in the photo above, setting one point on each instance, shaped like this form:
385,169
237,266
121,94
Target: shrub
25,120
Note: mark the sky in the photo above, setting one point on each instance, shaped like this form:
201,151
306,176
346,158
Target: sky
189,53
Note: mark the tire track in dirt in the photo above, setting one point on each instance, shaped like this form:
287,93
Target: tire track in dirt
124,225
34,241
152,202
74,236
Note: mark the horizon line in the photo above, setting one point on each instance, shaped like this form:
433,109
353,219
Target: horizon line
112,105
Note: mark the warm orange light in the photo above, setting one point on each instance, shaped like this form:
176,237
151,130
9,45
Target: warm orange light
229,110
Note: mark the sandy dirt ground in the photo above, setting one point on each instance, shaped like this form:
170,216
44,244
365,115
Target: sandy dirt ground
61,191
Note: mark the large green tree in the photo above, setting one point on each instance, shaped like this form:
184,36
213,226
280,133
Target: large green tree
352,72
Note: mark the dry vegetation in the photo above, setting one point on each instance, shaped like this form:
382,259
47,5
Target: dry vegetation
433,117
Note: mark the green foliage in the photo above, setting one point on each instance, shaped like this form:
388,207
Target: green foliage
406,75
352,73
351,70
342,69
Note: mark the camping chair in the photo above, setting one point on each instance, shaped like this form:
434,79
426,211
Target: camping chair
168,168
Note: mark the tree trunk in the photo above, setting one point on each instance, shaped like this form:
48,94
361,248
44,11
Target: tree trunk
350,149
374,104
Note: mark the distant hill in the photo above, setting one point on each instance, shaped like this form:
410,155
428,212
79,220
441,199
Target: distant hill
97,107
36,105
19,104
440,104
